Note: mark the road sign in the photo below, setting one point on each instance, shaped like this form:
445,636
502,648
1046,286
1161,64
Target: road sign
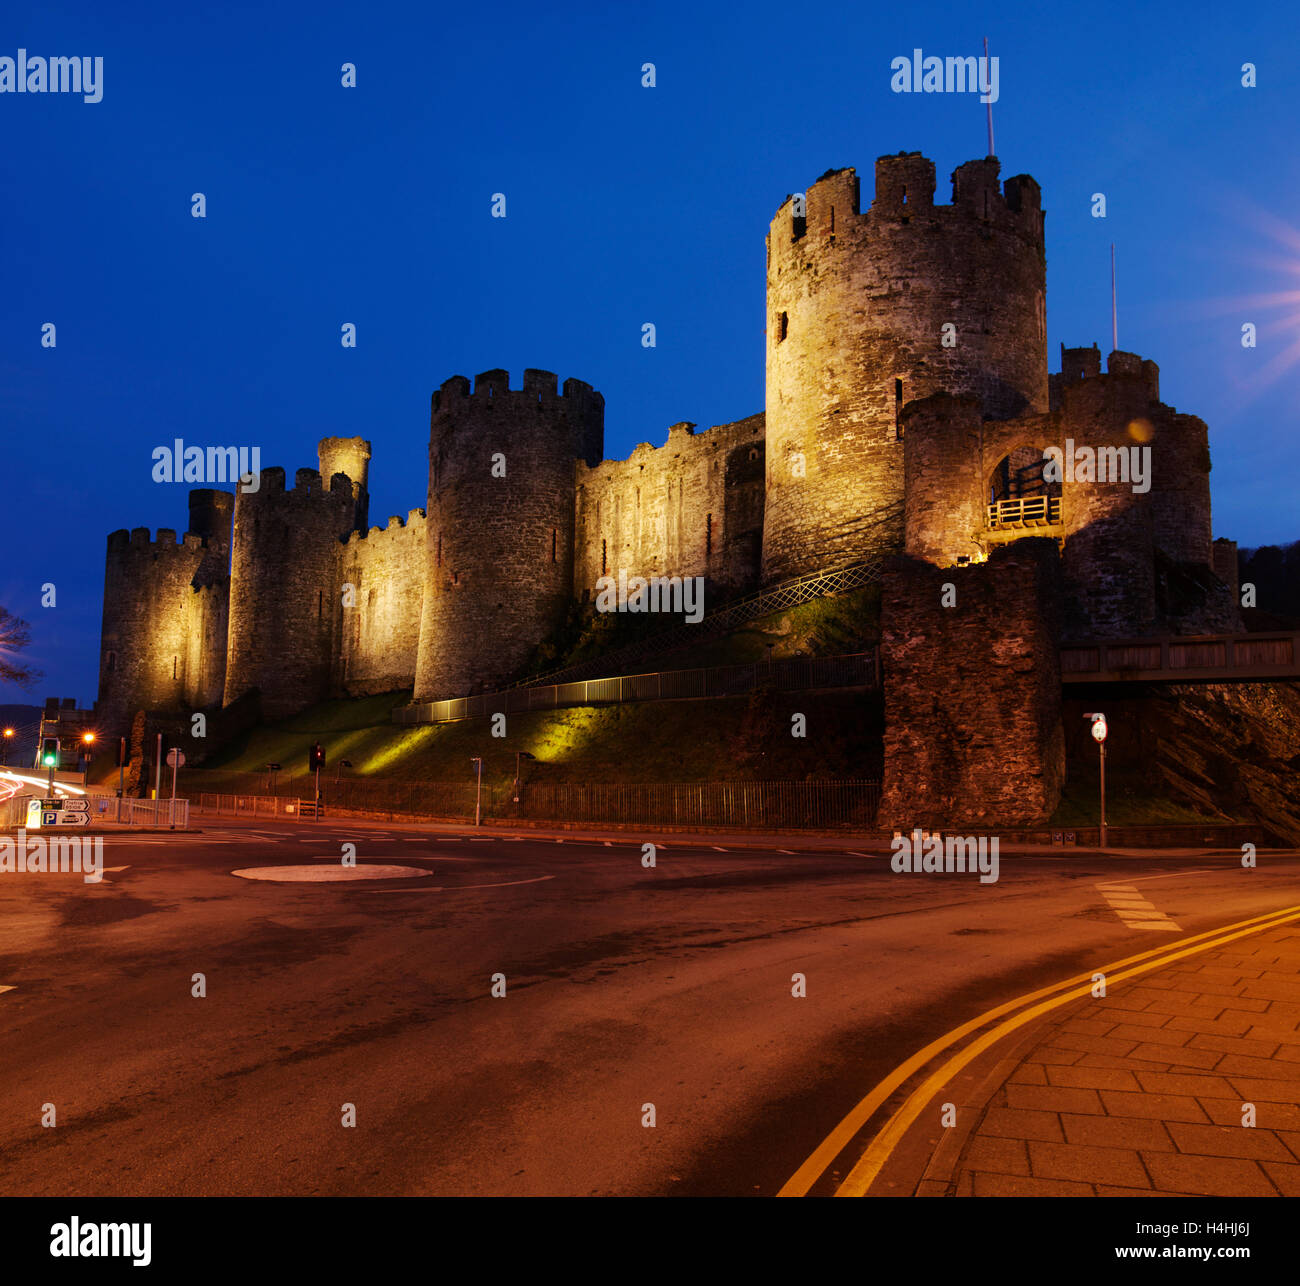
62,818
76,805
175,759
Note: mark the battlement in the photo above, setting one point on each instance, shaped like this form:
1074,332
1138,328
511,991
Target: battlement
397,527
682,438
1083,366
140,540
491,386
307,484
904,190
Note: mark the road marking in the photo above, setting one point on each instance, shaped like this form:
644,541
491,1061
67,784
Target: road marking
1134,910
716,849
456,888
843,1134
3,988
789,852
852,853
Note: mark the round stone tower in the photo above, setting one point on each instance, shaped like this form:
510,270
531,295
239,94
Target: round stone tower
143,641
285,607
499,562
350,457
869,310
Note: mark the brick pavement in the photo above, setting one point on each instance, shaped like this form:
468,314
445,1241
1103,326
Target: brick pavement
1143,1092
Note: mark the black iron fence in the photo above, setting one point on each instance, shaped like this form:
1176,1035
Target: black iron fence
761,805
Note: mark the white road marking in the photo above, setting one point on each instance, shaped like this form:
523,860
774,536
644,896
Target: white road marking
716,849
1133,910
852,853
4,988
455,888
789,852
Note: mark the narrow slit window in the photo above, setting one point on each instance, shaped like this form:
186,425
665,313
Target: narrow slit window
784,328
555,543
904,193
604,550
173,667
898,409
708,535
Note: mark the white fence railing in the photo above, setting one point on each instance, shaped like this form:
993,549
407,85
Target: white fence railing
253,805
108,808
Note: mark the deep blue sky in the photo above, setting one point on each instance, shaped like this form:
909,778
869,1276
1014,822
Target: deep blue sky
625,205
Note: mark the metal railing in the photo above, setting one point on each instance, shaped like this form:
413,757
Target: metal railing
1025,511
795,674
154,812
756,804
775,598
1186,657
108,808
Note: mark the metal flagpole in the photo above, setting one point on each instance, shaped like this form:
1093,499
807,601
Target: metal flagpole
1114,314
988,80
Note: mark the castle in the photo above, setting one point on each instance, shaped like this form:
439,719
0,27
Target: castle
908,408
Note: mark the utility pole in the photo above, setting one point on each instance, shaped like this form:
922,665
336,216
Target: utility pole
157,769
478,790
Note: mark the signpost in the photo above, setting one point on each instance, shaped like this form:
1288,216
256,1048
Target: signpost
478,789
1099,731
175,760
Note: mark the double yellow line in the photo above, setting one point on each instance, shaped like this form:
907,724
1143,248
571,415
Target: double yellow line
1024,1010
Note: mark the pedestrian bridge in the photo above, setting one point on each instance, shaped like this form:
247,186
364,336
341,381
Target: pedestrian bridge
1213,658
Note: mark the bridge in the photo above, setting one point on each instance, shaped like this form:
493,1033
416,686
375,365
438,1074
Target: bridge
1205,658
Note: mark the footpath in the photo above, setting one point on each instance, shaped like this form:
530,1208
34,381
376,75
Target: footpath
1184,1081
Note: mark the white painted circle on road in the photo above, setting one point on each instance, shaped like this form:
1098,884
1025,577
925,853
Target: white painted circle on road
324,874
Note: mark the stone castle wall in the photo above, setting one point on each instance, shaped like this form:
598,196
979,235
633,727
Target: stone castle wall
973,691
380,638
693,507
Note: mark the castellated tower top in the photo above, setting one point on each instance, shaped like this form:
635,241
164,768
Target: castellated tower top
350,457
871,309
578,406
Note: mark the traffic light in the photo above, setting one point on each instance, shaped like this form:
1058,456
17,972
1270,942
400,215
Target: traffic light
50,752
316,758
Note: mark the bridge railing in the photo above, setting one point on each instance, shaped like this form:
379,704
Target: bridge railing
1239,656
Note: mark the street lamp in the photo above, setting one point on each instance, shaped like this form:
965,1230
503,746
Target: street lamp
478,789
343,763
87,741
1099,731
9,736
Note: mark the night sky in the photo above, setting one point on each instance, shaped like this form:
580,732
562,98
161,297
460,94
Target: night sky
625,205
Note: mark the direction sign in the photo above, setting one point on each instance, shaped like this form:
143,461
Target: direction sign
76,805
62,818
175,759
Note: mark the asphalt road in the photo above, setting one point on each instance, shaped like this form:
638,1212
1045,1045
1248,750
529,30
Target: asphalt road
625,987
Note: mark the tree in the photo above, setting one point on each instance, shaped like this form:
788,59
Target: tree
15,635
